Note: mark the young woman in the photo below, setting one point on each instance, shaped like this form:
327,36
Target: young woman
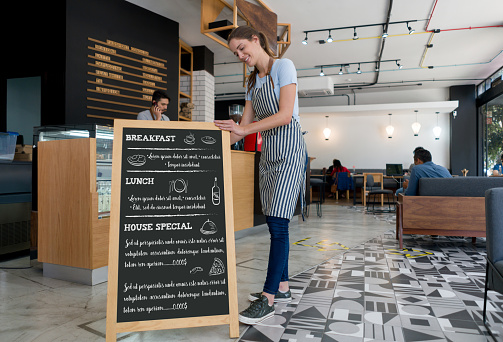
336,168
271,98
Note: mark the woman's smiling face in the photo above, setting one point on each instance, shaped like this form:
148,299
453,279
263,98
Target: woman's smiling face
245,50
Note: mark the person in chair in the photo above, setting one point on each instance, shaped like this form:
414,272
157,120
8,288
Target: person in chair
423,168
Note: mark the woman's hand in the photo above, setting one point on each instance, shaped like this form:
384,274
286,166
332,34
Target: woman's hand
231,126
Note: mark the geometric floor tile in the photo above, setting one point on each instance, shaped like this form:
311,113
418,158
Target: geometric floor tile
423,335
431,290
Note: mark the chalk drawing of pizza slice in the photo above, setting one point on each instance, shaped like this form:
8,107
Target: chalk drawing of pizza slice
217,268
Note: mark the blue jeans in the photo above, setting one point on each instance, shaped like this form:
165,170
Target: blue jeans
277,269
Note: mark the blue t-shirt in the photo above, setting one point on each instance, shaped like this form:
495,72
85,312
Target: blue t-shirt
497,167
283,73
426,170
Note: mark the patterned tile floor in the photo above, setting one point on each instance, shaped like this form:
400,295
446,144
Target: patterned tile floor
432,290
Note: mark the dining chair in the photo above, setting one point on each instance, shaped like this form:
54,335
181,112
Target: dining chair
372,190
342,182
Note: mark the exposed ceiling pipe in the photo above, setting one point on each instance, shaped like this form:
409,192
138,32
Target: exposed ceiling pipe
383,41
453,29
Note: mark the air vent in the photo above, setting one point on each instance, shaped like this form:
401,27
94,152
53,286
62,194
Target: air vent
316,86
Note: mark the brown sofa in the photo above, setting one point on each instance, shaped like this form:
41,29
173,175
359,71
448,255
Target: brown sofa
445,206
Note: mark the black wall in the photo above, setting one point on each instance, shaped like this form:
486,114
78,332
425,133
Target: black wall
34,41
465,140
122,22
222,108
50,39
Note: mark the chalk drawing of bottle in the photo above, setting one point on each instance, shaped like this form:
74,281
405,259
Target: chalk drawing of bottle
215,193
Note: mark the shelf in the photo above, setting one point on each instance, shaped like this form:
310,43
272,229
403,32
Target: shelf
187,96
186,72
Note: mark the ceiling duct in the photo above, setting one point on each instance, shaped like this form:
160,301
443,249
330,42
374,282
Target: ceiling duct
316,86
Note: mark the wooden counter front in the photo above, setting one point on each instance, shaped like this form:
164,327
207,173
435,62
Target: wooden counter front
70,232
243,175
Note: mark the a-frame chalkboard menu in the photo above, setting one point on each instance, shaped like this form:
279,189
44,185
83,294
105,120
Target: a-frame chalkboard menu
172,260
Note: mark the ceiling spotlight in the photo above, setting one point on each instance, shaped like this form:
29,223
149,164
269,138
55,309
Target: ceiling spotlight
329,39
321,72
340,71
399,65
359,71
377,66
384,32
355,35
305,40
411,30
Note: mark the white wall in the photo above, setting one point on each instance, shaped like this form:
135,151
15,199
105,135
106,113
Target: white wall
362,140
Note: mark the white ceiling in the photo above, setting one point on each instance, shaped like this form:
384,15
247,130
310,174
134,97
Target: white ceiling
459,55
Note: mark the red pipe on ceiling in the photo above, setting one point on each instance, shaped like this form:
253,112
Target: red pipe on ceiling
454,29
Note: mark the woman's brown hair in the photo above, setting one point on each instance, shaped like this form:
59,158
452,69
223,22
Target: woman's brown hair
247,32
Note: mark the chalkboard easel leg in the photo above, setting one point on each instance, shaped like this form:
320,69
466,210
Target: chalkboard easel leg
111,333
234,327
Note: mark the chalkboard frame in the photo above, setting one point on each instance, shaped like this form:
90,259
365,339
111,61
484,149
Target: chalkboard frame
112,326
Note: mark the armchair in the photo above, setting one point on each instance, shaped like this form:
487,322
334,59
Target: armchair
494,241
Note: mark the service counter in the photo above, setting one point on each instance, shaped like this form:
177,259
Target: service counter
72,228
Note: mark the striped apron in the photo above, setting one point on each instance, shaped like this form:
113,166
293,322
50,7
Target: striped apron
283,160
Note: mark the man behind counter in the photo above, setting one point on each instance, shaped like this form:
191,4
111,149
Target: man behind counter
160,101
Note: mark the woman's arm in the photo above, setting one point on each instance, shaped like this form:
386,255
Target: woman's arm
282,117
247,118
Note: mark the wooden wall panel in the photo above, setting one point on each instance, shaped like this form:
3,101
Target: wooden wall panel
243,172
64,173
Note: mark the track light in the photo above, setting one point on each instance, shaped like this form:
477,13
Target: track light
355,35
329,39
321,72
340,71
384,32
399,65
305,40
377,66
411,30
359,71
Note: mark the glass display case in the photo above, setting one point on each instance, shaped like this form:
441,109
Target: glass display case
104,147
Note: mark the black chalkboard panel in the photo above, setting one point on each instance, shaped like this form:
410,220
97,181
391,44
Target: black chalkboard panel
172,236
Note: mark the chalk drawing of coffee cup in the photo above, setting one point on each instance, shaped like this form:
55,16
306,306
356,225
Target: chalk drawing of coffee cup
190,139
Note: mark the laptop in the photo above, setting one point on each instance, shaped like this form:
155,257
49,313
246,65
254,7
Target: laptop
394,170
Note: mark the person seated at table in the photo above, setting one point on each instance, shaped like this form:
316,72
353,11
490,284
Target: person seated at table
407,174
335,168
498,166
423,168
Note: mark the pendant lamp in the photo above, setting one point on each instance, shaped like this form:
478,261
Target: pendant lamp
327,131
390,129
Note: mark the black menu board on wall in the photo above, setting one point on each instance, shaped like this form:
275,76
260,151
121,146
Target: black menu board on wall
171,239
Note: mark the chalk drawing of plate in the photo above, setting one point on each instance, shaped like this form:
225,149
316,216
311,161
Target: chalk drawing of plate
190,139
208,140
179,185
137,160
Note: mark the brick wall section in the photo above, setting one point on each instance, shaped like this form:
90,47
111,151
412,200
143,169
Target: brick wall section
203,98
